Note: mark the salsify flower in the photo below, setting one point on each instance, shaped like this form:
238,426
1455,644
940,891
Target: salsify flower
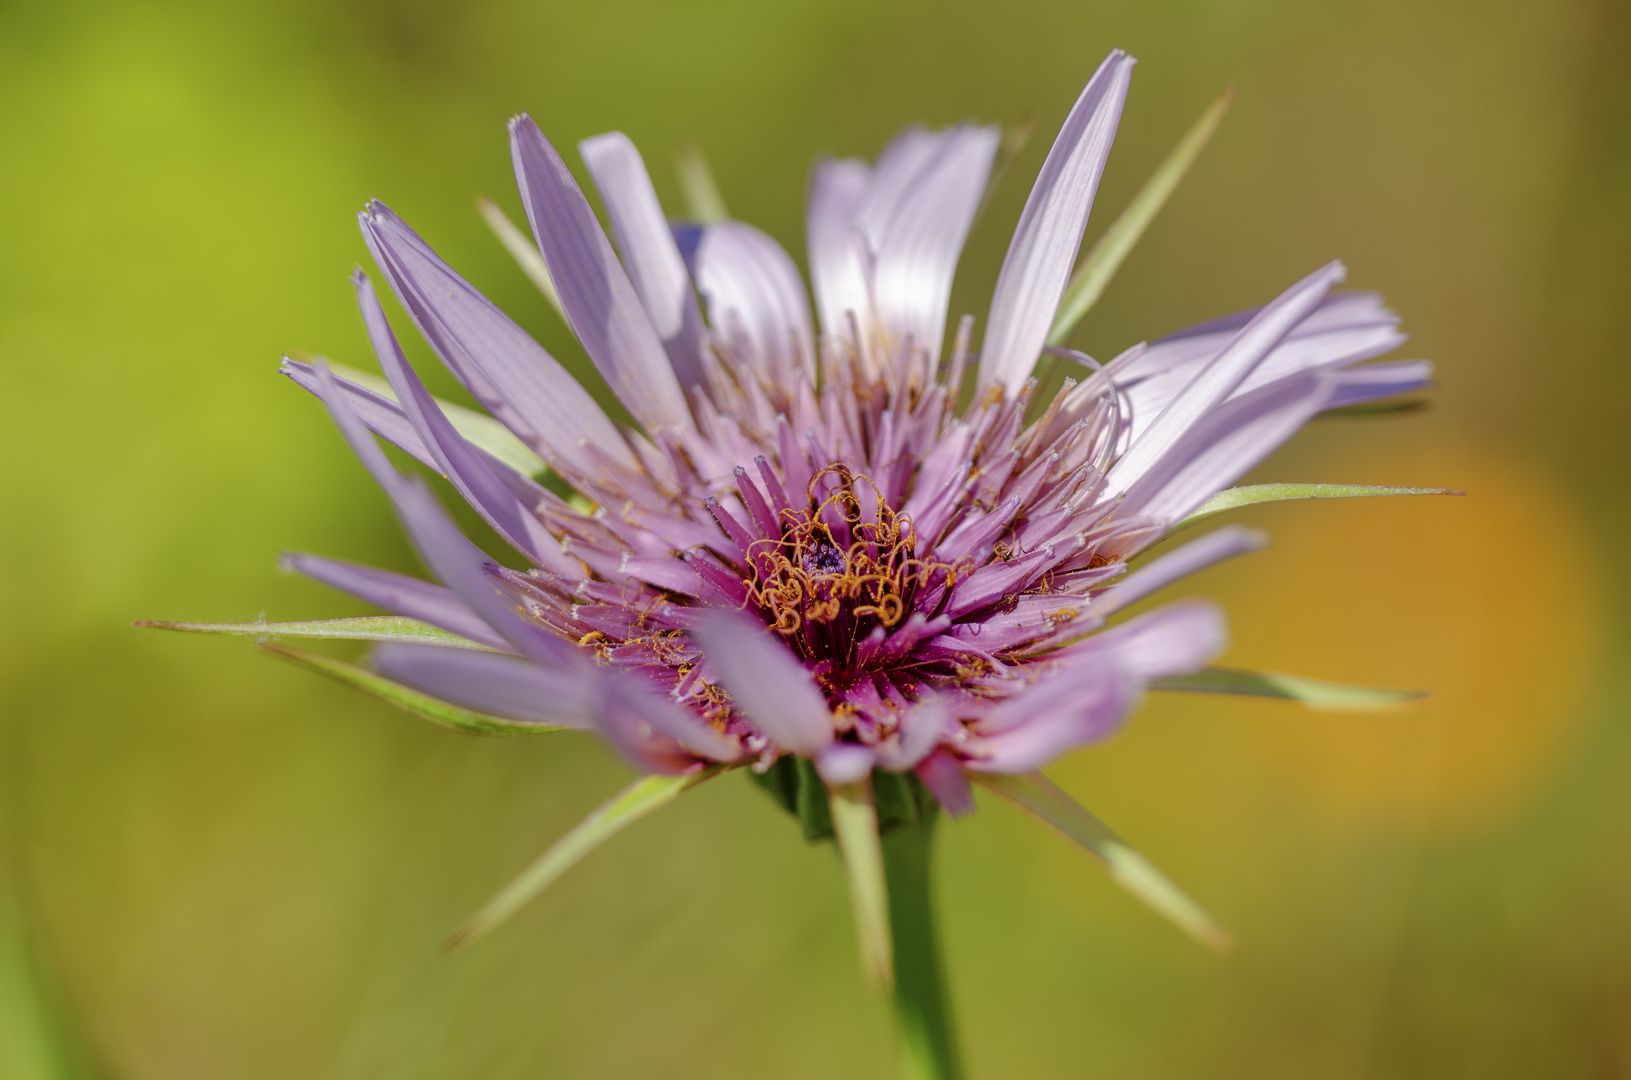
872,566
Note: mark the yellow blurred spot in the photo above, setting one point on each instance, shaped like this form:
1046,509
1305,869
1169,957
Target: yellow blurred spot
1488,601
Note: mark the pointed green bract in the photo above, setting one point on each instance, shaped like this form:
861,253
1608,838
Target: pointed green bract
1252,494
421,705
1042,797
478,428
1087,284
855,823
703,201
366,628
522,250
634,802
900,799
1315,693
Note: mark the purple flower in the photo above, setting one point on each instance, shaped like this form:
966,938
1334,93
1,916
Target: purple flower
831,538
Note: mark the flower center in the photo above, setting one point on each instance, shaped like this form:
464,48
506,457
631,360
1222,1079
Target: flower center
841,569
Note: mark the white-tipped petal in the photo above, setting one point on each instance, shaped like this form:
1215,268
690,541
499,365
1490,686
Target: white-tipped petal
920,239
834,242
756,301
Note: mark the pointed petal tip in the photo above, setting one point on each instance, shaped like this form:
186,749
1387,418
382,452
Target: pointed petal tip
375,213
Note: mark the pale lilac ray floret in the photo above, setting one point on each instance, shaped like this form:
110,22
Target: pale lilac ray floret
834,536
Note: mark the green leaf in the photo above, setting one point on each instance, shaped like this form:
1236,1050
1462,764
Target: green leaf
703,200
421,705
1312,692
1042,797
477,427
522,250
1087,284
634,802
367,628
1252,494
855,821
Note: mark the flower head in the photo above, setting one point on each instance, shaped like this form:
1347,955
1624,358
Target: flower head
836,538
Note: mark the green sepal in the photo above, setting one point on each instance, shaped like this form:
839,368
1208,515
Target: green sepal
367,628
900,798
1040,796
1252,494
1315,693
782,782
797,788
639,799
1088,283
523,251
814,809
421,705
703,200
479,429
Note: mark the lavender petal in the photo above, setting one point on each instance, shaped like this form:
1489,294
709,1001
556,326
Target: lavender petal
1224,543
1218,379
920,240
756,300
767,683
1044,247
466,467
1372,382
382,416
459,564
399,594
649,252
836,274
492,683
943,775
643,724
1223,447
601,303
498,362
1055,720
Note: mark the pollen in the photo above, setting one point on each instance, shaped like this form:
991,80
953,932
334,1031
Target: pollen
841,568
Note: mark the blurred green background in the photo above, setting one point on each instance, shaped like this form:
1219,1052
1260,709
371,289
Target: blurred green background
220,866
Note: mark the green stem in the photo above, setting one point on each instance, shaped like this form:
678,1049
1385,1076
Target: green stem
928,1042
